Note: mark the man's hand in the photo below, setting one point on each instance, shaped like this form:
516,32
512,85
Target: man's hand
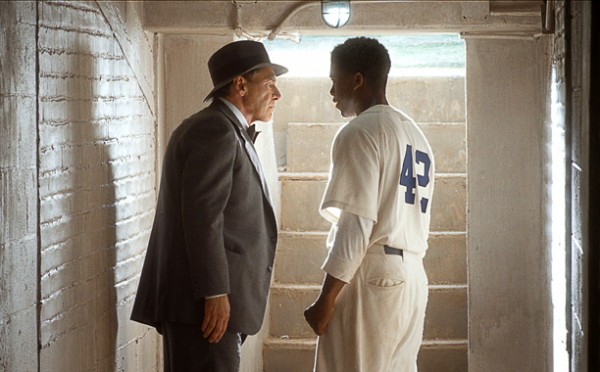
318,315
216,318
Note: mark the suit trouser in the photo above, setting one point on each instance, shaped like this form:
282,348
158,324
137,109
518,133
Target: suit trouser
186,350
377,324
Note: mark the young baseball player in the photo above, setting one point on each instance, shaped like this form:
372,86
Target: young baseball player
371,310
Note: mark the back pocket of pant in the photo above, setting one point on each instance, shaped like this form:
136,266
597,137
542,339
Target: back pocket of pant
383,282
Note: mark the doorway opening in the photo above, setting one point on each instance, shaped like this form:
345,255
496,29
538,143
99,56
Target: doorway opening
427,82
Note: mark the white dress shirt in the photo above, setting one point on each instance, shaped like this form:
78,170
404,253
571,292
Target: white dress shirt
348,242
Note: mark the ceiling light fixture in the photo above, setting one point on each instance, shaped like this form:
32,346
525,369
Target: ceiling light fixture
335,13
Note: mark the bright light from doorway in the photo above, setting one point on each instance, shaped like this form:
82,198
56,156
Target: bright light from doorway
411,55
559,279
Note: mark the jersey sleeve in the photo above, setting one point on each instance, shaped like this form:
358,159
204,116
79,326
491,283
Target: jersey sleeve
353,184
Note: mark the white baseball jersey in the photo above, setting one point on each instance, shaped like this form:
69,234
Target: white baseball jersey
383,169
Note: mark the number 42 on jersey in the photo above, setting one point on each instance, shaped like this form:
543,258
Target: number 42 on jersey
411,181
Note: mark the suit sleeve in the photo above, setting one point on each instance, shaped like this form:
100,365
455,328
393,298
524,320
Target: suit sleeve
209,152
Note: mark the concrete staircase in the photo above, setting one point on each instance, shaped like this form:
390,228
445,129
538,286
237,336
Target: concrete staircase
290,344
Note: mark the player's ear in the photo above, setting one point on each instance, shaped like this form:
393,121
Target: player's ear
359,80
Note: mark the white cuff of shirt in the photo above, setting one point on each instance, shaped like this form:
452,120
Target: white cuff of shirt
215,296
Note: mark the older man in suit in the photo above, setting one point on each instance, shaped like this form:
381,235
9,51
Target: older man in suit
207,271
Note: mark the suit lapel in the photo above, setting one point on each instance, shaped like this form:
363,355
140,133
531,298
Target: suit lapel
247,142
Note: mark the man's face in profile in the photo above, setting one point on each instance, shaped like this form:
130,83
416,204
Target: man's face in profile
262,92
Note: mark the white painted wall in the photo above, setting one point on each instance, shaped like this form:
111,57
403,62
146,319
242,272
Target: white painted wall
510,309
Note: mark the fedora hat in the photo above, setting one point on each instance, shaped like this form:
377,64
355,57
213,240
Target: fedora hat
238,58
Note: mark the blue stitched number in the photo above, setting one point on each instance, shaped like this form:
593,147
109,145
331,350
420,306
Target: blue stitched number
408,179
423,158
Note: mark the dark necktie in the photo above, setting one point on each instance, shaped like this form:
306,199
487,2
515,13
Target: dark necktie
252,132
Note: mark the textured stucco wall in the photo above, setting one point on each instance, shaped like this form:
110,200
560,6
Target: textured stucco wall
78,147
18,190
96,189
509,277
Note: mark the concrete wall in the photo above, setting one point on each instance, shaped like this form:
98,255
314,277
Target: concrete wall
509,277
84,159
368,17
18,190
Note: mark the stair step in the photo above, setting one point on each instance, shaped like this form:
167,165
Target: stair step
300,200
301,196
287,307
296,287
449,144
298,355
303,176
447,357
448,210
293,343
446,258
300,256
446,311
309,146
425,99
429,99
289,355
446,316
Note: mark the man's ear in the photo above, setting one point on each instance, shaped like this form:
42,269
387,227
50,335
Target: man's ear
359,80
239,85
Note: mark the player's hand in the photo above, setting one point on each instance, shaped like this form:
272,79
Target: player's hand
318,315
216,318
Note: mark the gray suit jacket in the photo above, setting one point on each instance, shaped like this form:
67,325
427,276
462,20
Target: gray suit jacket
214,230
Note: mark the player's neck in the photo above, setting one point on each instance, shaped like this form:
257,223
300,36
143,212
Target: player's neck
368,101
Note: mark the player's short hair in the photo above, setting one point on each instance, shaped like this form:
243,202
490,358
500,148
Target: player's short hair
365,55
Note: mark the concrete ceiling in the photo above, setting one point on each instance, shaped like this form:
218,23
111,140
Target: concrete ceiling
260,17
